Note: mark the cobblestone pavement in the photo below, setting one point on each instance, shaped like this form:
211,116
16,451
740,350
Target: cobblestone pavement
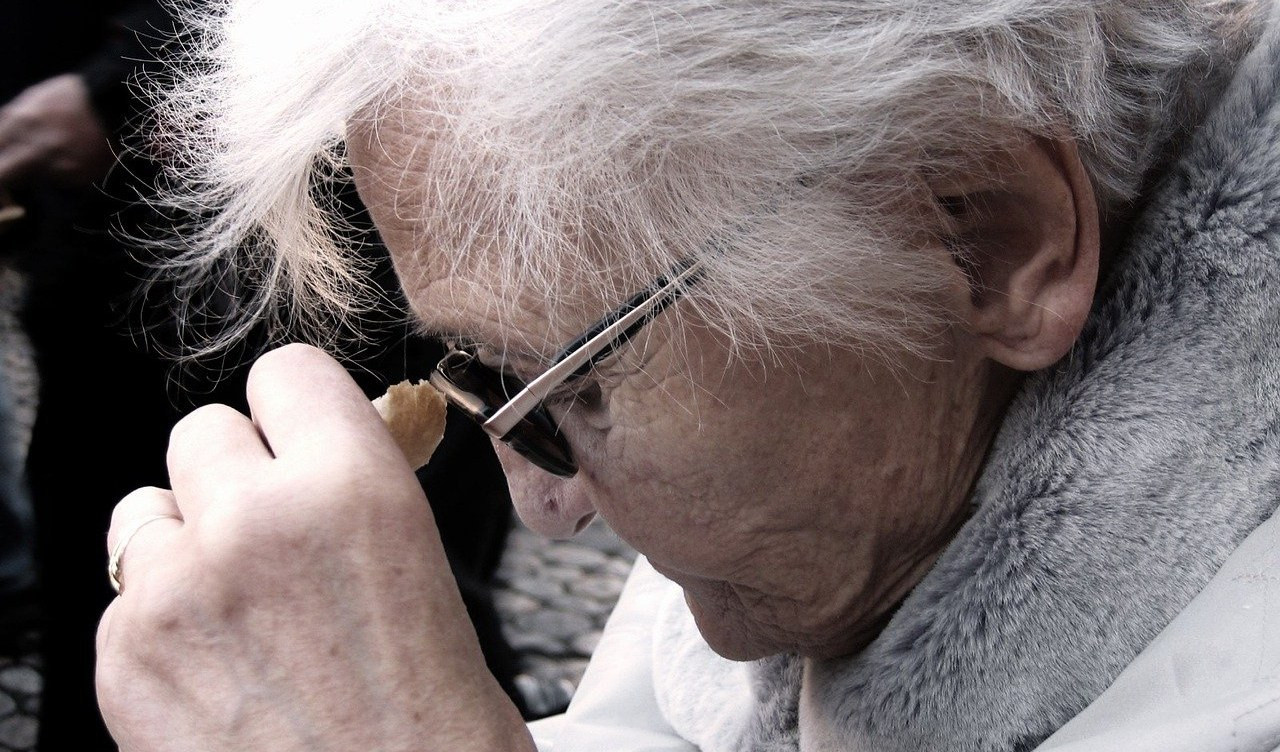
19,701
553,597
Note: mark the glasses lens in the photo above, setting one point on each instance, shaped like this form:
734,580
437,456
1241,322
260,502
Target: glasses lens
487,388
539,441
480,390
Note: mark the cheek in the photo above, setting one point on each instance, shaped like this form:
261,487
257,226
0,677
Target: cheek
707,480
674,480
701,445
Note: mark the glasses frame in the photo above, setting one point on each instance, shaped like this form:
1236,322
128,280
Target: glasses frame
522,421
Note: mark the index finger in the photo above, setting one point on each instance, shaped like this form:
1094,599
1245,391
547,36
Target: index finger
302,399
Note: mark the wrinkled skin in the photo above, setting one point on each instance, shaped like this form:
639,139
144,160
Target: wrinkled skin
793,521
795,503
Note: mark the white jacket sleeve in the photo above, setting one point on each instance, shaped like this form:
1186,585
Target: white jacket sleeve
1210,682
614,708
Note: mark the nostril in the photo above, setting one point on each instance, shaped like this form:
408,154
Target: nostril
551,513
583,521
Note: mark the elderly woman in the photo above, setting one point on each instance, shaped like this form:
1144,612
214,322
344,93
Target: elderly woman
925,351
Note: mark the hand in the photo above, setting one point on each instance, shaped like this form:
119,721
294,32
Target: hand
300,599
51,132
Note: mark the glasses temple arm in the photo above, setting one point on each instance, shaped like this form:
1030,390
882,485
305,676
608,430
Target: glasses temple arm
597,343
651,295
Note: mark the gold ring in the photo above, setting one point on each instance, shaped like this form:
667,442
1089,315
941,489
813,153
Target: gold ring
113,562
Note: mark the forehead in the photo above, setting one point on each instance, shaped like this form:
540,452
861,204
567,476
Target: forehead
459,257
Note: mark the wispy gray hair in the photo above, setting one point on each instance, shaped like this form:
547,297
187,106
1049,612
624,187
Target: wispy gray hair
581,146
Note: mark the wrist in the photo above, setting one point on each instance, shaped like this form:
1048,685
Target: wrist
509,731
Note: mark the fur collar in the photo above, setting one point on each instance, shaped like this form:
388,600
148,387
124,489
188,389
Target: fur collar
1121,480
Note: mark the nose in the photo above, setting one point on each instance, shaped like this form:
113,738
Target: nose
551,517
551,506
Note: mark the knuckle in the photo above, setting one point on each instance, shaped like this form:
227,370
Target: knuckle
137,500
161,613
198,422
163,610
280,361
189,435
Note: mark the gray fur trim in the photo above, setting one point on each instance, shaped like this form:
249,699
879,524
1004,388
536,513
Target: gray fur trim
1120,482
773,728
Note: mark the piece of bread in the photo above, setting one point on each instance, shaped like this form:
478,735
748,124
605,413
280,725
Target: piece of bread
415,415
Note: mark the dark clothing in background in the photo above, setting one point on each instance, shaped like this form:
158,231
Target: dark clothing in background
108,400
102,417
40,40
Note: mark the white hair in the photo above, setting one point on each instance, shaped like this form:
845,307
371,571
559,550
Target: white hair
579,147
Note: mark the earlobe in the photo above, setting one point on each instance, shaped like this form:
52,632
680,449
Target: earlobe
1027,242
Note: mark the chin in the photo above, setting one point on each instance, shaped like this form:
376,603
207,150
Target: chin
728,634
733,637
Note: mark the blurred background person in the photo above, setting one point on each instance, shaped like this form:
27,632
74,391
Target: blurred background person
18,608
63,81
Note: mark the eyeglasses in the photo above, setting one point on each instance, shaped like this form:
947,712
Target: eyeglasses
522,421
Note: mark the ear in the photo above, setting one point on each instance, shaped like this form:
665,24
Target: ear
1025,236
